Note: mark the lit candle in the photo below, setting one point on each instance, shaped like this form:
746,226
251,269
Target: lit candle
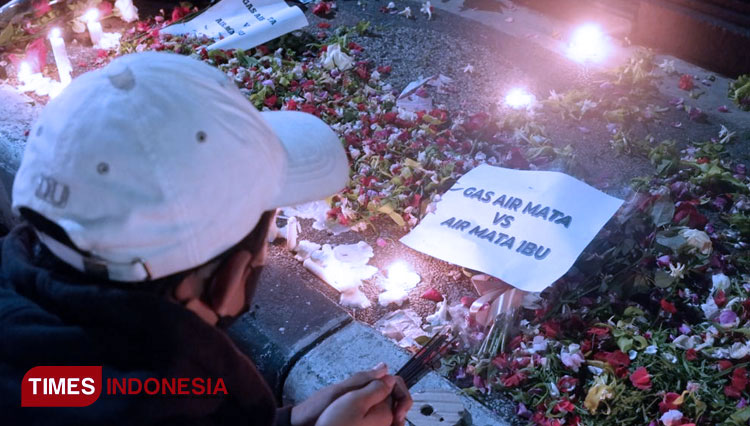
588,44
35,81
401,278
519,98
62,61
94,26
401,275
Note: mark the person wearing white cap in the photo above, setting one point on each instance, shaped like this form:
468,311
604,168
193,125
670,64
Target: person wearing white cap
147,189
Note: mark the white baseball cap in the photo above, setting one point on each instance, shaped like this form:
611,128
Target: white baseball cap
156,164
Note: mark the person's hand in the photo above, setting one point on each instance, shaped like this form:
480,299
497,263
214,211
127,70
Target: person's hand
307,413
371,405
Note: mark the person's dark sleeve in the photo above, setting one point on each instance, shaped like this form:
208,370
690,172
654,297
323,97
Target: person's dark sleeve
284,416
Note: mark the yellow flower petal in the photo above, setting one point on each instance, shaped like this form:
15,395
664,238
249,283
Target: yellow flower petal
598,392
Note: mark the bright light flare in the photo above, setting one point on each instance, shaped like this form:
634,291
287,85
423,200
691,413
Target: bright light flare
588,44
401,274
92,15
519,98
55,33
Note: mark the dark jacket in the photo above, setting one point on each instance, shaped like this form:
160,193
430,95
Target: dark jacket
53,318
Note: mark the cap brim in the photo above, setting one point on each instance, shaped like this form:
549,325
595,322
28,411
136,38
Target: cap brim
317,166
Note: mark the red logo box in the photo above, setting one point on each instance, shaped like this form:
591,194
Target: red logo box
61,386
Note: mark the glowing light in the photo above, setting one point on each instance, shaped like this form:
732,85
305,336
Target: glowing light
36,82
91,15
519,98
55,33
401,274
588,44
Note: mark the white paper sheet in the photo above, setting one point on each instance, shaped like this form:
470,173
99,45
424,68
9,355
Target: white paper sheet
242,24
525,227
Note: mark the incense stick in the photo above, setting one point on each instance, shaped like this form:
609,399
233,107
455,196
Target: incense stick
421,362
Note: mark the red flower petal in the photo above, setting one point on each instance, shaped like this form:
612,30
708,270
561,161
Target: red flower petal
615,359
513,379
668,306
322,8
432,294
551,329
687,212
667,402
567,383
641,379
36,55
691,354
720,298
291,105
41,7
179,12
105,8
724,364
516,159
598,331
324,25
270,101
467,301
739,379
564,406
731,392
686,82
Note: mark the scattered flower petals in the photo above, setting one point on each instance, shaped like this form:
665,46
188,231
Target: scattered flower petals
686,82
433,295
641,379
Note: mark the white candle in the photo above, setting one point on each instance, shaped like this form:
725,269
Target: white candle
64,69
94,26
24,72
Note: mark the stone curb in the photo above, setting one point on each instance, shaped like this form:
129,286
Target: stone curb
358,347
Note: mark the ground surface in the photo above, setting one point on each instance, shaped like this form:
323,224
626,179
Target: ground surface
446,45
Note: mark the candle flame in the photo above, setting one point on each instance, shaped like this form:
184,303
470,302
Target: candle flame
401,275
398,270
91,15
518,98
588,43
55,33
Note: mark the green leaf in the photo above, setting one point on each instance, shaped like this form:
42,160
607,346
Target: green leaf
663,279
663,211
740,417
640,342
625,344
675,243
632,311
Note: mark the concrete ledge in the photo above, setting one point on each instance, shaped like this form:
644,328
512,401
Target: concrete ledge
358,347
694,35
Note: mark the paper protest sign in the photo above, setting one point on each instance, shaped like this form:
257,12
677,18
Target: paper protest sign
525,227
242,24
